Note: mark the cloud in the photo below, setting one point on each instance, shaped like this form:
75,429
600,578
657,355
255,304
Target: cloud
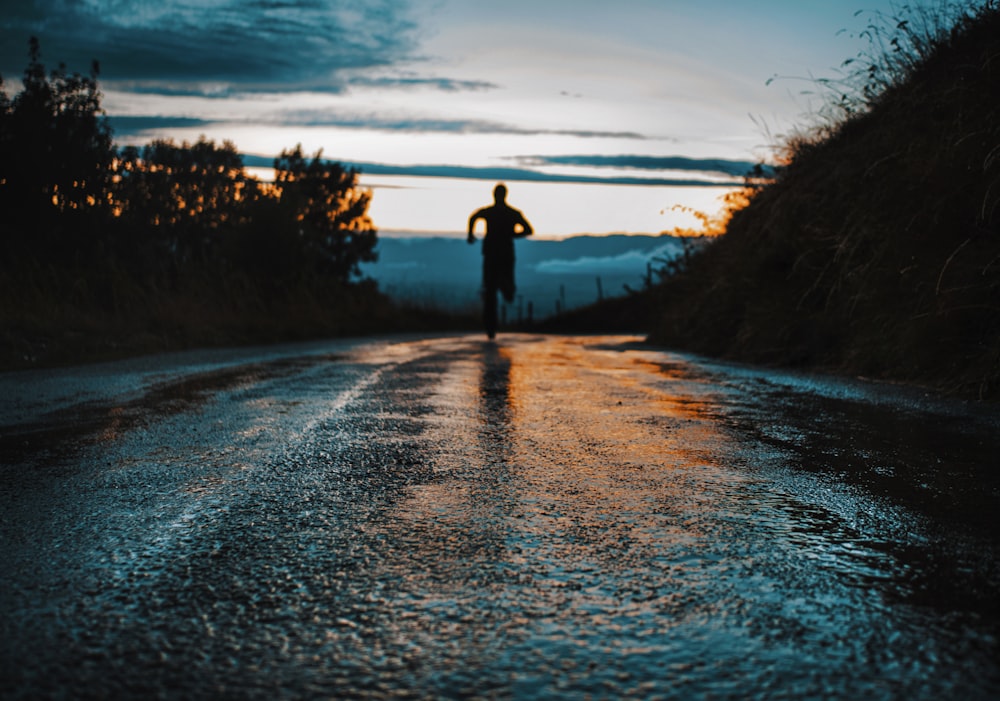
658,163
124,126
326,118
416,81
495,174
627,262
177,46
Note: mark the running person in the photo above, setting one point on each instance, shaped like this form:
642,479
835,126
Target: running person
503,225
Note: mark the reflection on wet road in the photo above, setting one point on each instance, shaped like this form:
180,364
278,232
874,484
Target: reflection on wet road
542,517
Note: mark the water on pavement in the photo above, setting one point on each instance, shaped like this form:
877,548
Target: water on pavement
541,517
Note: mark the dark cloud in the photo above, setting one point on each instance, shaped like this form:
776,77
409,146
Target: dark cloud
324,118
219,91
130,126
176,46
494,174
658,163
133,125
443,84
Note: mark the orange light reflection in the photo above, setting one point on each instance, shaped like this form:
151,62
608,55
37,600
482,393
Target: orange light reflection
560,495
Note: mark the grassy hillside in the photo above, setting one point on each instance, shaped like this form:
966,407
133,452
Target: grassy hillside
876,250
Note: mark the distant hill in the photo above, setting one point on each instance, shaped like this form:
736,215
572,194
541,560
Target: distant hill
445,272
876,251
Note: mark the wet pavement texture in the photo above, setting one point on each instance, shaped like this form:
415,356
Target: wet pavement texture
540,517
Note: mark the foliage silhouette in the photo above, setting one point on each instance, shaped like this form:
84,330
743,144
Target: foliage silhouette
332,213
55,160
184,200
876,250
105,250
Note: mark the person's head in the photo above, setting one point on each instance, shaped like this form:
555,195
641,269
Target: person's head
500,193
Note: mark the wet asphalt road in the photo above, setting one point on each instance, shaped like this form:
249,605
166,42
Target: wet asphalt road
543,517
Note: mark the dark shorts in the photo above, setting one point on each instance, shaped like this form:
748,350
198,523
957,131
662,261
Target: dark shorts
499,277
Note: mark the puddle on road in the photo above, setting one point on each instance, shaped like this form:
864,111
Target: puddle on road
676,536
551,517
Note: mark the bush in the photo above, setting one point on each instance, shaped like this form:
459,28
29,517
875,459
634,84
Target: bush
105,251
876,250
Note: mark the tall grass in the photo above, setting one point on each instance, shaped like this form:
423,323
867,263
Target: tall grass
57,315
876,250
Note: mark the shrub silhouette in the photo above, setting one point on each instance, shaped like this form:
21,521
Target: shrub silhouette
184,199
330,210
55,160
173,243
877,248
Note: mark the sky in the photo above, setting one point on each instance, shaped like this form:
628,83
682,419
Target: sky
601,116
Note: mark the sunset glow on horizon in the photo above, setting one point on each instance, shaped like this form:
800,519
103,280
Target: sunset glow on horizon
556,210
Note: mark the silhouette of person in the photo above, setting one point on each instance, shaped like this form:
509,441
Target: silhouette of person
503,225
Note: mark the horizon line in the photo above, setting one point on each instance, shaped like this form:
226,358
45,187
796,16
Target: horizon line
430,234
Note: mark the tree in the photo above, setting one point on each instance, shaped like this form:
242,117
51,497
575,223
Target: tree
55,153
184,199
329,210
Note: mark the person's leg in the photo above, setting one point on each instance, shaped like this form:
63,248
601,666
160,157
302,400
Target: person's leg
490,298
490,309
506,284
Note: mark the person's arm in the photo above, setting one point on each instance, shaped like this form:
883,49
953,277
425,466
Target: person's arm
526,229
478,214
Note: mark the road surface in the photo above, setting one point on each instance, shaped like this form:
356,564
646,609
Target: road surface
541,517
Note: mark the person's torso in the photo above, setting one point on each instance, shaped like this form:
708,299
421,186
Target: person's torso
501,222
